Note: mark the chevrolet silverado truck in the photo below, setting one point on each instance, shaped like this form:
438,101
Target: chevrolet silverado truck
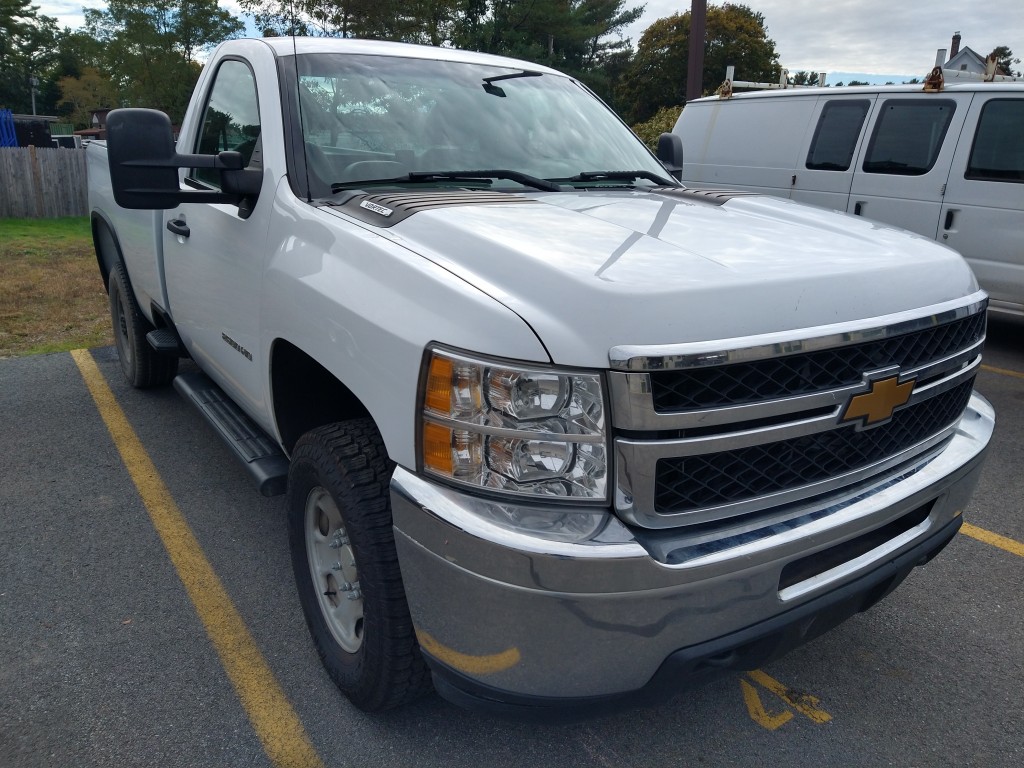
554,430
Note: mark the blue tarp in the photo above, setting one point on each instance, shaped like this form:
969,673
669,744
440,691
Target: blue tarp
7,137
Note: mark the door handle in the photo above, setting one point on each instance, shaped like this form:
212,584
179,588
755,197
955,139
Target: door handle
856,209
949,221
178,227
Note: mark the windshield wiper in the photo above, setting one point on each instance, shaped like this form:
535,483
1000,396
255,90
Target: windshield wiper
622,176
483,177
495,173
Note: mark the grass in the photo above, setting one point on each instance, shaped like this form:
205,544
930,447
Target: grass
52,298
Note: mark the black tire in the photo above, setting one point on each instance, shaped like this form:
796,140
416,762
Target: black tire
355,608
142,365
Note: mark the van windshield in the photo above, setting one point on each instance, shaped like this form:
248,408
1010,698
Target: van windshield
381,118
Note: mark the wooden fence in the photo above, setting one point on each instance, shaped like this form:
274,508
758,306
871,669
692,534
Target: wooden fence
37,183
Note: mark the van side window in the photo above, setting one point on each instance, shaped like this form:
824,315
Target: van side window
998,151
908,136
231,119
835,138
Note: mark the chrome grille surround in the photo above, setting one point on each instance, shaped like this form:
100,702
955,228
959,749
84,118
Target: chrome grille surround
647,437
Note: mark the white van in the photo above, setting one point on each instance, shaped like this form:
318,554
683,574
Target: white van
948,165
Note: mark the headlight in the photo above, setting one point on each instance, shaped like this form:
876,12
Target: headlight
520,430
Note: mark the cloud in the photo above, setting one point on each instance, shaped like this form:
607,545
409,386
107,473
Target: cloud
869,35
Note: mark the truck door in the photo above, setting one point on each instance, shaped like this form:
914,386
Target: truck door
902,169
213,260
824,175
983,212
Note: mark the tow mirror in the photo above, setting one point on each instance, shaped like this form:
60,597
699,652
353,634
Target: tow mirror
670,152
144,164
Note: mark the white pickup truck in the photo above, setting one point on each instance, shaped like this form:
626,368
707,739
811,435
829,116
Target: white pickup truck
555,431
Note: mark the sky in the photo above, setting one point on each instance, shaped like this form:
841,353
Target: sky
890,39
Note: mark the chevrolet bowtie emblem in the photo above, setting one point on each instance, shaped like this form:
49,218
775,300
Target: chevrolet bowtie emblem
878,403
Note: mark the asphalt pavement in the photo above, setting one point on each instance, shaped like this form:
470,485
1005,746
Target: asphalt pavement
105,661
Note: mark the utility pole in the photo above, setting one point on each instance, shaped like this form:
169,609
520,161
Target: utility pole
34,81
695,63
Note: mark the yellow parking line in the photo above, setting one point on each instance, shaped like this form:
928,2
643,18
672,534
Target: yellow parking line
1011,546
1004,371
275,722
804,703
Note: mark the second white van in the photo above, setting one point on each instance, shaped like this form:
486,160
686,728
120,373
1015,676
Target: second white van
947,165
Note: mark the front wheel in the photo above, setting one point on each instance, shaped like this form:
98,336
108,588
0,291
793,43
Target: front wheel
142,365
346,567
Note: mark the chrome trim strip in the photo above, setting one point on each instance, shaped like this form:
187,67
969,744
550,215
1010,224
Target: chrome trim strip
515,434
731,441
666,357
633,407
850,567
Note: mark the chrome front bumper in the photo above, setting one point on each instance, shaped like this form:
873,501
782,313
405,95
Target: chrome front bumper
504,616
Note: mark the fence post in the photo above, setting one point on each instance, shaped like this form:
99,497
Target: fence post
37,183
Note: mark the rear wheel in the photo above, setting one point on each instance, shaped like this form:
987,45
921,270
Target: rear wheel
346,567
142,365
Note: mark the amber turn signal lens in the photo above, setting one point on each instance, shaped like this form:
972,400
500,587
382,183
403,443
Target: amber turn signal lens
437,448
439,385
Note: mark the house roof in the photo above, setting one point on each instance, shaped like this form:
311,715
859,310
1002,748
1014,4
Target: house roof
968,57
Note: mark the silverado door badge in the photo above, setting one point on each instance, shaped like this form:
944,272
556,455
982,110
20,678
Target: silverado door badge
877,405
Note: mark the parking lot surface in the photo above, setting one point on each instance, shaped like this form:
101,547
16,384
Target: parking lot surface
115,650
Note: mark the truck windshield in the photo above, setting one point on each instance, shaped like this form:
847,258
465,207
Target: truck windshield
382,118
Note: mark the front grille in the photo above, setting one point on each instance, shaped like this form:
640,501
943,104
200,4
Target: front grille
798,374
690,483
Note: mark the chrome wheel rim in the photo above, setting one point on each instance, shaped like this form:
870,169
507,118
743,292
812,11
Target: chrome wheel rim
124,349
332,568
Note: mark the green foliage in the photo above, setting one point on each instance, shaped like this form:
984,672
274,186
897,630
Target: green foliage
576,36
735,36
28,48
432,22
664,121
804,78
1006,61
89,91
150,48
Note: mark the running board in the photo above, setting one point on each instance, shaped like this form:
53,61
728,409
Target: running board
264,461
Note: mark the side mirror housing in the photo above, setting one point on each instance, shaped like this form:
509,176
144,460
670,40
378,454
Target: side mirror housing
670,153
144,164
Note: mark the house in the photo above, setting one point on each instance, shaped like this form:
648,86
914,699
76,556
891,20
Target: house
97,125
966,60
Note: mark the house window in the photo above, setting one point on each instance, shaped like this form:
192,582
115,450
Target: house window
908,136
835,137
998,150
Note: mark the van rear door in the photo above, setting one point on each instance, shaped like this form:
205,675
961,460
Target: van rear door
983,212
903,166
750,142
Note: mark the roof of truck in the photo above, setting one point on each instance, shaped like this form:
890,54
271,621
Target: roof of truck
287,46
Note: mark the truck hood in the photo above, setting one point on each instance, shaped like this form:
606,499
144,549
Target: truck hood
591,270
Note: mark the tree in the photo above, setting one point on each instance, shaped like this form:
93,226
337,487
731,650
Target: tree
90,90
1005,60
28,48
735,36
804,78
411,21
150,48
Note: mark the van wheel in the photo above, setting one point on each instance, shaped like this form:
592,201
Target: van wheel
142,365
346,567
